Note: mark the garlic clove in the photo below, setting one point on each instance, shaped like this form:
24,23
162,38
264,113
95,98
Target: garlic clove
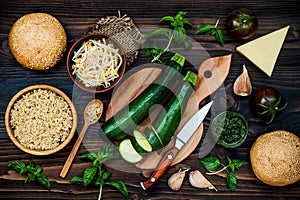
147,174
176,180
199,181
242,85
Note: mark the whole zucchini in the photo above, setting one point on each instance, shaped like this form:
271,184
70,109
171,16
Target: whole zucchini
125,121
167,121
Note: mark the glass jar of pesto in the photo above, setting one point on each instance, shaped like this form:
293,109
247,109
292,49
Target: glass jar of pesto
229,129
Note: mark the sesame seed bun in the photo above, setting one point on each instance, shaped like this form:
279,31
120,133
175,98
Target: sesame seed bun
37,41
275,158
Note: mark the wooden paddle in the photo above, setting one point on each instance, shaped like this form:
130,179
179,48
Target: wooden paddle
211,75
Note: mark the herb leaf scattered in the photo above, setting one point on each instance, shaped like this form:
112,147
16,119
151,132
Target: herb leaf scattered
203,29
237,163
213,163
220,37
89,175
177,34
231,181
77,179
33,172
210,163
96,174
119,185
214,31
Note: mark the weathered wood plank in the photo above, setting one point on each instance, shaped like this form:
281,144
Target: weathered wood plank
77,16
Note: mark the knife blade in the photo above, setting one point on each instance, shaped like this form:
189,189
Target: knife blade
182,137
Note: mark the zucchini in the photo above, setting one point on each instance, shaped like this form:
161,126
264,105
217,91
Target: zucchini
167,121
140,142
124,121
128,153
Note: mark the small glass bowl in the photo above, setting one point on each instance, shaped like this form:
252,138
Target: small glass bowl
229,129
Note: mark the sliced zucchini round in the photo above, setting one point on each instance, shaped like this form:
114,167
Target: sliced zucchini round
128,153
140,142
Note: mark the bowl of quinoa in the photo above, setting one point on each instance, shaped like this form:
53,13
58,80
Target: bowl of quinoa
40,119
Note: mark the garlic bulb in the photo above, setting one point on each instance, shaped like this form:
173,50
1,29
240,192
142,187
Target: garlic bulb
199,181
176,180
242,85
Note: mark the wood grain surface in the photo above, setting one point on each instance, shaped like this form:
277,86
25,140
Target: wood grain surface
77,16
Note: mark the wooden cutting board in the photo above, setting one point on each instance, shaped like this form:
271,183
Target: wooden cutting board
211,75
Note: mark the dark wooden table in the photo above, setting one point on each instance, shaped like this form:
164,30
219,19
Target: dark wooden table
76,16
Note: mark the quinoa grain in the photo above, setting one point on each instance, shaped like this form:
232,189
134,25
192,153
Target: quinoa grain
41,119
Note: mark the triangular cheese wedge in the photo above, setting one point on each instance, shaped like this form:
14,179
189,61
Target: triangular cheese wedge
263,51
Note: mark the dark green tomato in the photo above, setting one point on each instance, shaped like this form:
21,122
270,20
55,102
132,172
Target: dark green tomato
242,23
268,103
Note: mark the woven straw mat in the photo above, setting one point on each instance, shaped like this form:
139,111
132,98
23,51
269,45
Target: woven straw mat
124,31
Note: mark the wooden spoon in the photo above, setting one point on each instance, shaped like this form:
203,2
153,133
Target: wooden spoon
88,120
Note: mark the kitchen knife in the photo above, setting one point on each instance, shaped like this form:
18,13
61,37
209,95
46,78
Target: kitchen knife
182,137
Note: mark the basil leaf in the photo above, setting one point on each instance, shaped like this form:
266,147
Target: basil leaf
178,19
174,24
76,179
220,37
31,171
230,163
31,163
119,185
24,170
180,38
155,51
180,30
210,163
43,180
105,175
89,156
17,166
160,31
106,152
146,51
187,44
29,178
166,18
213,32
181,13
106,149
99,181
203,29
96,163
89,175
231,181
179,35
38,170
237,163
187,21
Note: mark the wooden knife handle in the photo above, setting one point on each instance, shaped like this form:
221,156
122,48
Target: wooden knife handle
161,168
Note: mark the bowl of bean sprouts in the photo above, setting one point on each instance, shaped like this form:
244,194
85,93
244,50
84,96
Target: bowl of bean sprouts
96,63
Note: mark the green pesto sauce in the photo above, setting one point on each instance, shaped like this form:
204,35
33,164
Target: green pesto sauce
230,129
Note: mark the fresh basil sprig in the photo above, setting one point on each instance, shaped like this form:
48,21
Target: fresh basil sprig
33,172
177,34
214,31
213,163
96,174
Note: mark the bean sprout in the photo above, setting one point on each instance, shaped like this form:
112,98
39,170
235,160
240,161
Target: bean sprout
96,63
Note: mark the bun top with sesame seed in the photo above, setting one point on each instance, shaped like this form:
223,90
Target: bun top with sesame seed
275,158
37,41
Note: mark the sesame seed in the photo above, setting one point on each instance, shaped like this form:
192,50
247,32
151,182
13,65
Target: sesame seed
37,40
